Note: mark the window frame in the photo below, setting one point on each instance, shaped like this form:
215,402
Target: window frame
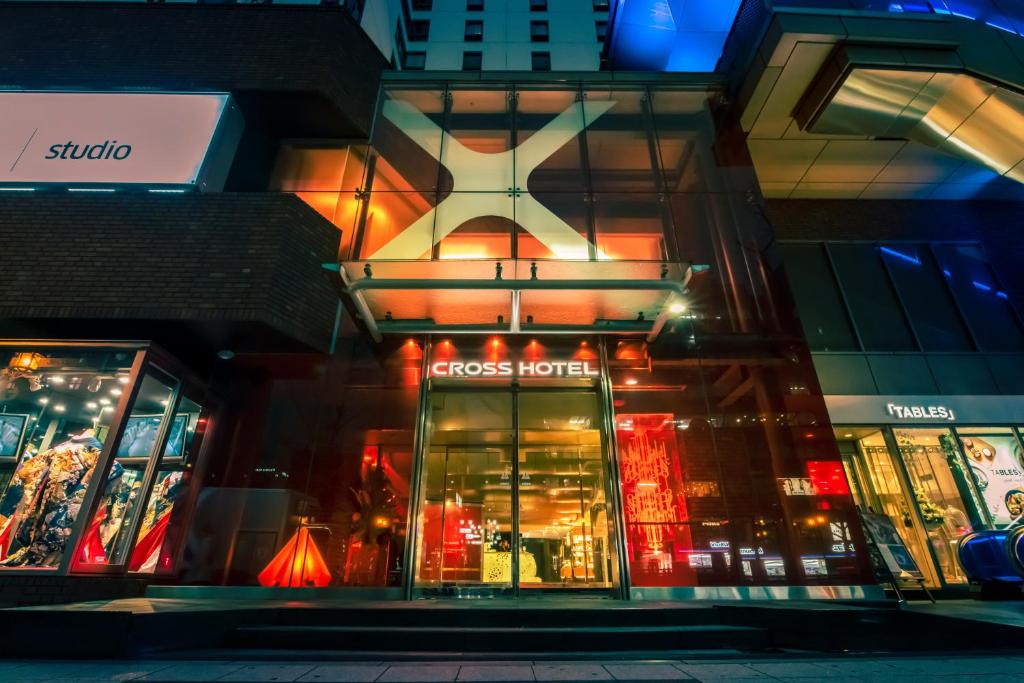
540,54
540,37
418,54
471,37
478,55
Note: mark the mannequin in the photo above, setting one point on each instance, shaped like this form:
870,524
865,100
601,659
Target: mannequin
42,501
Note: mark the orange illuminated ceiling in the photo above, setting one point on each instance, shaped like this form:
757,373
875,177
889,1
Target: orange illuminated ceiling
512,296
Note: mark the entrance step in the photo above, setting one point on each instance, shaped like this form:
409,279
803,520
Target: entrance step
427,637
471,614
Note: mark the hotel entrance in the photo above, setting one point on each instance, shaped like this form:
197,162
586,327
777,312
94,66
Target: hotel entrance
514,496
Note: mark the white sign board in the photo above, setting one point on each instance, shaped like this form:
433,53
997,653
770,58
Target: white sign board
869,410
107,138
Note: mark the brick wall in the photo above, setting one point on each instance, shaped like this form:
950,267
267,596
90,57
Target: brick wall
995,225
238,271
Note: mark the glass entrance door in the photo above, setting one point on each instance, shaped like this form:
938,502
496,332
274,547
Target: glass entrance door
562,494
513,495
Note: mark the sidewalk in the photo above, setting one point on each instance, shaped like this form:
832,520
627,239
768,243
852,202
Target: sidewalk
908,669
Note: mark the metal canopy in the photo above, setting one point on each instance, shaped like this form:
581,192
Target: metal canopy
508,296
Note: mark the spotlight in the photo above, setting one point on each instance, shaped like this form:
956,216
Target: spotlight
91,405
105,401
677,308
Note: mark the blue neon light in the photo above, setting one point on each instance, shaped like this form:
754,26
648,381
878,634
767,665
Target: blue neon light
947,273
1002,295
982,286
670,35
900,255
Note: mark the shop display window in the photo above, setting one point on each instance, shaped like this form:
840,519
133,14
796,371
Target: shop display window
942,492
56,409
108,537
996,463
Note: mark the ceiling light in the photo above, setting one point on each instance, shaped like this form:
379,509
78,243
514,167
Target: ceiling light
60,407
94,385
631,381
105,401
56,379
91,405
677,308
123,379
43,401
116,391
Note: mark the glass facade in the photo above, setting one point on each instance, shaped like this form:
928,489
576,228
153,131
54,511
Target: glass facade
936,485
560,451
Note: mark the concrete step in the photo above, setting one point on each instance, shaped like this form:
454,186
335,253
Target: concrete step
431,638
490,615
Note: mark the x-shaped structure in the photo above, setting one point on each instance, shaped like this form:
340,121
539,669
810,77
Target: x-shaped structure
479,176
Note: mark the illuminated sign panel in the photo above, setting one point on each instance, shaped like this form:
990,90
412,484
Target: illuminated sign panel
553,368
108,138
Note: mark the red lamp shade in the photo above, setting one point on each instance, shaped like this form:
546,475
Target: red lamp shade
298,564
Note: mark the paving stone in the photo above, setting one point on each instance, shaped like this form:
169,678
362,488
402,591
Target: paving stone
269,672
183,672
103,671
715,672
344,673
570,672
491,672
420,672
786,670
645,672
857,667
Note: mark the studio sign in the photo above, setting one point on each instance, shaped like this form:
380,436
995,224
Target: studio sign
555,368
919,412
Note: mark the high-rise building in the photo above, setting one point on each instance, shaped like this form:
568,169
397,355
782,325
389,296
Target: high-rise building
505,35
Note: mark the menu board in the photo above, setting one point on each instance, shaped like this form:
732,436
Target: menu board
888,546
995,462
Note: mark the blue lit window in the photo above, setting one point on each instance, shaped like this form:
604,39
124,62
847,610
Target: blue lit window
985,304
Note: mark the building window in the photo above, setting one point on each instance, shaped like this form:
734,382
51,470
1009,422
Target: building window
474,31
538,5
415,61
539,31
540,61
418,30
600,5
423,5
602,30
901,297
474,5
472,61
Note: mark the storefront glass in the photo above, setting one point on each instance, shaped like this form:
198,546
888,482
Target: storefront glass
108,537
56,409
878,488
994,460
941,492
